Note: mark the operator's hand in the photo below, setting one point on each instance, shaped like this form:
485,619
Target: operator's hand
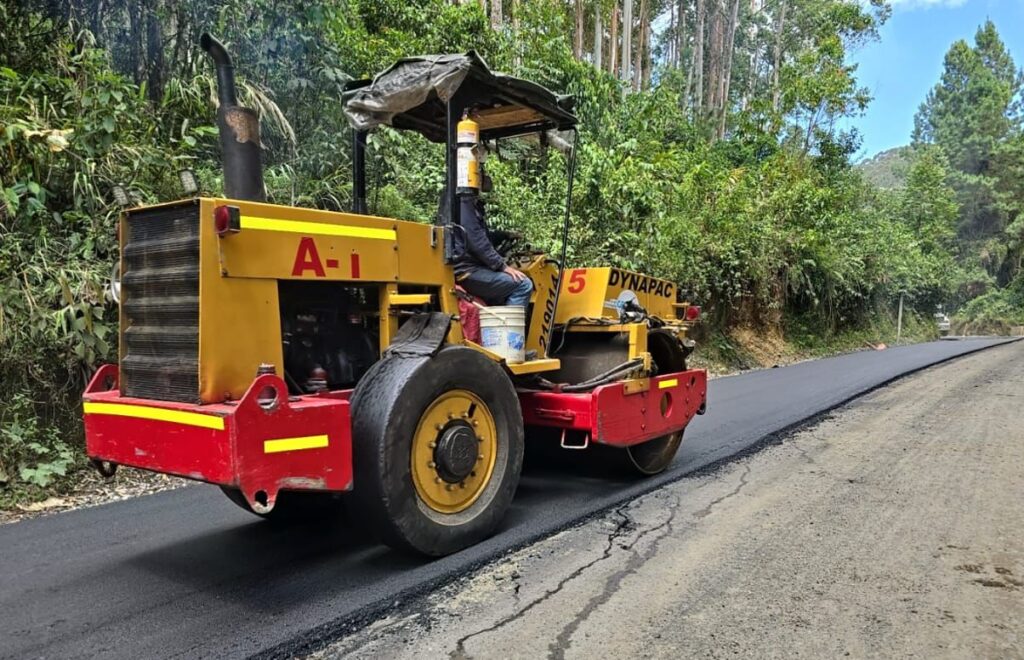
517,275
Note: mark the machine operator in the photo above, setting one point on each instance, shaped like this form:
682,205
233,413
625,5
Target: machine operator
480,270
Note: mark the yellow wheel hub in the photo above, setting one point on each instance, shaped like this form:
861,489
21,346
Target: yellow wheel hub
453,451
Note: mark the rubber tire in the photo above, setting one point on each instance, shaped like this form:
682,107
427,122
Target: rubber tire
294,507
386,408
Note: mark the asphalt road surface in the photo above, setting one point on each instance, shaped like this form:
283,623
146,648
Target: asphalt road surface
888,529
185,573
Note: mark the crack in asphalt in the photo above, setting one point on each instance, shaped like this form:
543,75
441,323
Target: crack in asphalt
564,639
706,511
556,651
623,526
803,453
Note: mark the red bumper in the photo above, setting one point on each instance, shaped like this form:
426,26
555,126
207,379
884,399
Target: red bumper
261,444
617,414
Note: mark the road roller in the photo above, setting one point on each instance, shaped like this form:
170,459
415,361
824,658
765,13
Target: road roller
299,358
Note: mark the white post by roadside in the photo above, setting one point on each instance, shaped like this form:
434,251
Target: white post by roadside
899,320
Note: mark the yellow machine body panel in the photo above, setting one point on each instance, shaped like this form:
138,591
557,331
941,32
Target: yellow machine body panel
602,292
239,307
240,274
543,271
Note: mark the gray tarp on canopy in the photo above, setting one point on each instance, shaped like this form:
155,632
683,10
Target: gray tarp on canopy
413,92
404,86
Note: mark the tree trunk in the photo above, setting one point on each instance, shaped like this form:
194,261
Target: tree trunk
727,77
780,24
714,56
638,58
155,55
577,40
698,57
135,38
627,39
598,36
96,24
648,58
755,51
496,16
613,42
517,59
680,33
670,45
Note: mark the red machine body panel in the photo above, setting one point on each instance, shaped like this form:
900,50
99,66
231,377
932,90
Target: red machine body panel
264,443
613,415
269,441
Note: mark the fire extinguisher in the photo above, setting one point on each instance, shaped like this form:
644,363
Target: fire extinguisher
467,167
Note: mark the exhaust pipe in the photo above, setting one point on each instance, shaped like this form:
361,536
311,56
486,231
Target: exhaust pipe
239,130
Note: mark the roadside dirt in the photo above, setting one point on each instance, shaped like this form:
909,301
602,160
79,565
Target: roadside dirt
90,489
894,528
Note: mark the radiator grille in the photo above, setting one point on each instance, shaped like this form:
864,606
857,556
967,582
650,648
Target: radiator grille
160,301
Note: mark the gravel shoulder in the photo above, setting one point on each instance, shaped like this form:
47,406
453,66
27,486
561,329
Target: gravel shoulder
893,528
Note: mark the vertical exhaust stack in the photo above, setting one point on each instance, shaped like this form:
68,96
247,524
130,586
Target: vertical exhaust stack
239,130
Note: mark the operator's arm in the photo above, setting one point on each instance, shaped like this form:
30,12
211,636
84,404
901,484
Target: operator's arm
476,236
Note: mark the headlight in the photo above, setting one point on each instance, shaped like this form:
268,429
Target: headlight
115,282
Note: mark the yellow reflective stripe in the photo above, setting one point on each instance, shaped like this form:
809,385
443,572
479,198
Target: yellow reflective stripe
665,384
322,228
158,414
293,444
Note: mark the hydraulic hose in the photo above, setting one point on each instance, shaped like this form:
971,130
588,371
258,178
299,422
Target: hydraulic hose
604,378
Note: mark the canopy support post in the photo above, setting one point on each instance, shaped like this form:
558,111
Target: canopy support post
359,171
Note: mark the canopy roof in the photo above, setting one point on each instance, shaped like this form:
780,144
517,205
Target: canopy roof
413,93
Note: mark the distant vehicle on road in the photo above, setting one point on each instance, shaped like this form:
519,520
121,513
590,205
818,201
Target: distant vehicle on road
943,322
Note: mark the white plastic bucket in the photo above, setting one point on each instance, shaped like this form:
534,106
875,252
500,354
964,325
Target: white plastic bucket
503,331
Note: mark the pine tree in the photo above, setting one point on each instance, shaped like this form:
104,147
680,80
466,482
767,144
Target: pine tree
973,116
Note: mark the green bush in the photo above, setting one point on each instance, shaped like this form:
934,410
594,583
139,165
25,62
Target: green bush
71,130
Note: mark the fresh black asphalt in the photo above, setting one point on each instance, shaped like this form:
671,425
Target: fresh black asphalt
186,574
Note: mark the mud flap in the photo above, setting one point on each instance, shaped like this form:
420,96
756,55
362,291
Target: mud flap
422,335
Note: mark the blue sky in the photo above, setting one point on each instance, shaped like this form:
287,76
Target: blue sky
906,62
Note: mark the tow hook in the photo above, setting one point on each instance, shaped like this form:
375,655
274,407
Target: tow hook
105,468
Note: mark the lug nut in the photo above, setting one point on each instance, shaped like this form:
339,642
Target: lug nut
472,474
449,488
462,484
431,465
476,423
438,426
433,445
437,480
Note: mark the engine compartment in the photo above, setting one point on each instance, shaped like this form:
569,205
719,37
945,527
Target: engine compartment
329,332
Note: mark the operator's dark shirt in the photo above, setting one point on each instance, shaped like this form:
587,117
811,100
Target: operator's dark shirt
473,245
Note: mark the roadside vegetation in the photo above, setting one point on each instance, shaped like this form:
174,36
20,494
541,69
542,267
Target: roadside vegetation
709,154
